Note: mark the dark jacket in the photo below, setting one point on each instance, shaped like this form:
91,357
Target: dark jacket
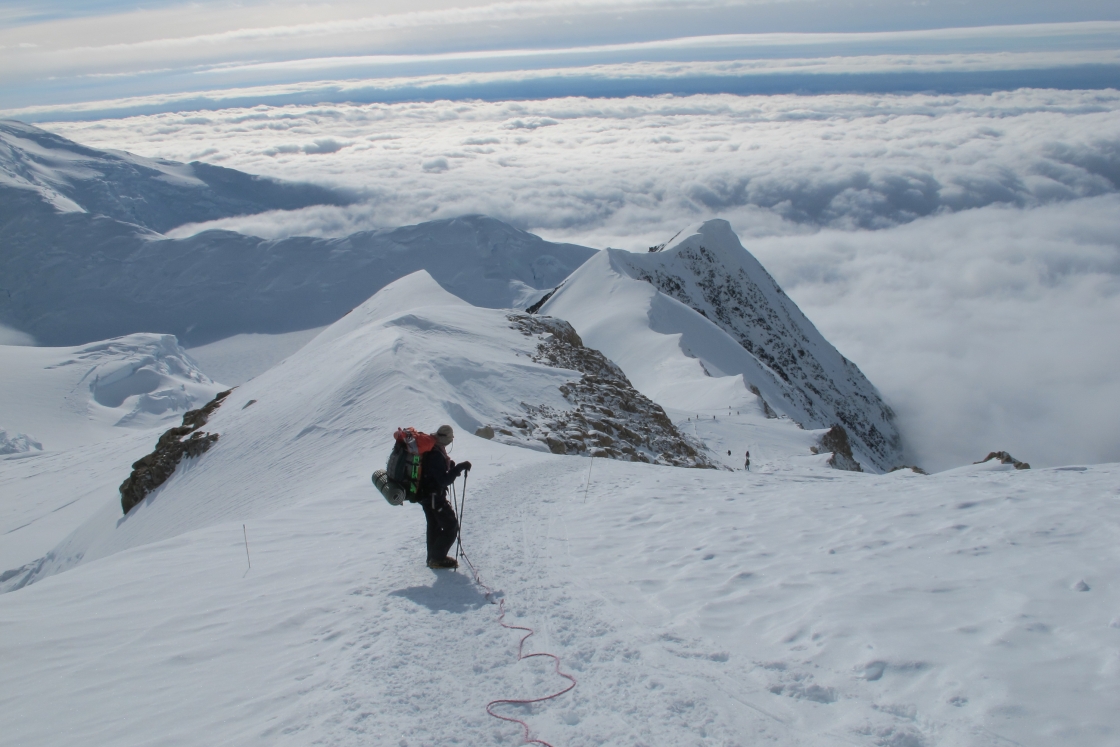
437,472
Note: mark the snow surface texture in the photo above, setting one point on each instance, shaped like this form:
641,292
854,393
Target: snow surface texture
83,261
793,605
710,311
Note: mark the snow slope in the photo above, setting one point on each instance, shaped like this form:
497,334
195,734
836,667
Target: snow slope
85,258
793,605
697,324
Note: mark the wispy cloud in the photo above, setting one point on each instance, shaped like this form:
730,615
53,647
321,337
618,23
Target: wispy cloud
215,53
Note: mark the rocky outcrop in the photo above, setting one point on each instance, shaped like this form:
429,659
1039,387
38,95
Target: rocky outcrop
186,440
913,468
836,441
767,410
1004,458
610,418
544,299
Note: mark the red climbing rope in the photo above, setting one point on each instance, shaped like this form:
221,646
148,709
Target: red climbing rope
520,655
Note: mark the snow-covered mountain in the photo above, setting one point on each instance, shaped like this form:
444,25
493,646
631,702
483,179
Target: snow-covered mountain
83,258
154,194
266,594
707,327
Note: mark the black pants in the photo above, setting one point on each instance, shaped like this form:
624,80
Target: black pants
443,527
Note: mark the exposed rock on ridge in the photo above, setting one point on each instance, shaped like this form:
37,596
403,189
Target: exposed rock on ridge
836,441
17,443
610,419
1004,458
186,440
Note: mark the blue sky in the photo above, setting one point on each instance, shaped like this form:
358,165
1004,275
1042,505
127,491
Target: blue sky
93,59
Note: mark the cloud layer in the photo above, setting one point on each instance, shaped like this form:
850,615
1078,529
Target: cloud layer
963,250
623,172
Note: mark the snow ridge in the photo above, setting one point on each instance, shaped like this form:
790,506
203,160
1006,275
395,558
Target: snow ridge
701,326
709,271
17,443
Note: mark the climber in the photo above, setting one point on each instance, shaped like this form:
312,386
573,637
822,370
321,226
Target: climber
748,466
437,472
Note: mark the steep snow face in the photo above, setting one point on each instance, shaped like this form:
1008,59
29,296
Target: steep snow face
66,397
681,319
152,193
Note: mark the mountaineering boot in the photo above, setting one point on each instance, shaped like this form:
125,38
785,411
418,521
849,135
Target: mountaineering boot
445,562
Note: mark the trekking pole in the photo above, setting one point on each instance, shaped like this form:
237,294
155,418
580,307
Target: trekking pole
462,507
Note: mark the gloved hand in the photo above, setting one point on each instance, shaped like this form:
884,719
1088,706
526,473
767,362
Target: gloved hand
462,467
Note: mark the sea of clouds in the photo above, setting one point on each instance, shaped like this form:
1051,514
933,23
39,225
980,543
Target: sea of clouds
963,250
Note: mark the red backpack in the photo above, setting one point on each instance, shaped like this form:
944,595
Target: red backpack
400,480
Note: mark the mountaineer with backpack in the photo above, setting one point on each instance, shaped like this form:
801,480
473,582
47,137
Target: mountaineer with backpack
437,472
420,471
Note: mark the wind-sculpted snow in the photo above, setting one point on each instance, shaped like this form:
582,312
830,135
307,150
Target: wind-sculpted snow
788,364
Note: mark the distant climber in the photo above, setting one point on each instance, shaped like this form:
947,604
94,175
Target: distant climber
437,472
748,465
